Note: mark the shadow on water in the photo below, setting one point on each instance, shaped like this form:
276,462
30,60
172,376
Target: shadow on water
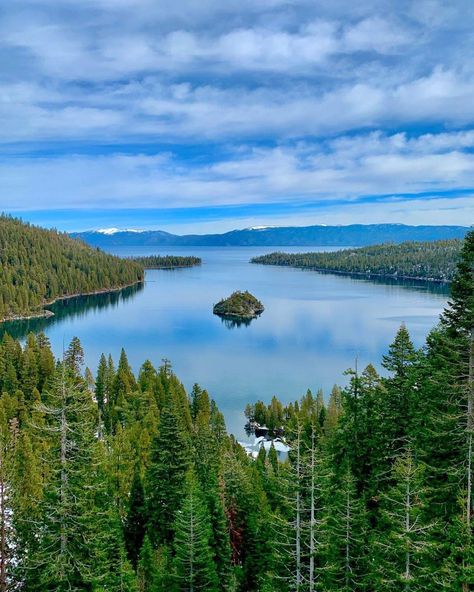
235,322
75,307
420,285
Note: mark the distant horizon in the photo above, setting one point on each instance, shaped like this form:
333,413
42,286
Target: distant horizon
165,220
39,220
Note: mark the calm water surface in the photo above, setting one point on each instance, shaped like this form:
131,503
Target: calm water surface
313,327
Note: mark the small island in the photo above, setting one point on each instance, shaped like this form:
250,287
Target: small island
239,305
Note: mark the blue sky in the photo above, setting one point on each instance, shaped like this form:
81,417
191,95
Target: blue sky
200,116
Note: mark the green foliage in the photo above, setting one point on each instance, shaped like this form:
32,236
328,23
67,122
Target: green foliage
169,463
434,260
404,550
38,266
126,484
135,525
167,261
195,567
239,304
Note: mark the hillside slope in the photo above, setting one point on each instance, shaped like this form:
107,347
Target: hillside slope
430,261
353,235
38,266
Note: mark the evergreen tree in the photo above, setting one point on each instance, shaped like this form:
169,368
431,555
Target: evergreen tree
61,559
404,551
29,475
165,484
334,410
343,532
399,408
135,525
195,568
74,356
8,540
155,570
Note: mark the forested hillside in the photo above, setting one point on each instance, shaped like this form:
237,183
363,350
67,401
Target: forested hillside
352,234
37,266
431,261
167,261
126,483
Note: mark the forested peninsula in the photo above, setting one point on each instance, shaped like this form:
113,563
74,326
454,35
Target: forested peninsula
167,261
39,266
126,482
428,261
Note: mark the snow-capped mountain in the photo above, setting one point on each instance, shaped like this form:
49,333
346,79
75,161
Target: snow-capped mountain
111,231
305,236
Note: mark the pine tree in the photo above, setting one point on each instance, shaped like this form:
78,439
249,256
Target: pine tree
61,557
334,410
74,356
165,483
343,533
155,570
291,525
8,540
195,568
401,361
404,550
103,388
220,539
121,465
446,409
123,386
108,568
29,476
135,524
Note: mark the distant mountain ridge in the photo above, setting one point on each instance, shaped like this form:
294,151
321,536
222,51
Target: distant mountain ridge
352,235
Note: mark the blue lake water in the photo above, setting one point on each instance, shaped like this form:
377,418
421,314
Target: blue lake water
313,328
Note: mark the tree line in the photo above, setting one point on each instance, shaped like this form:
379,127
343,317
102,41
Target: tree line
167,261
429,261
37,266
124,482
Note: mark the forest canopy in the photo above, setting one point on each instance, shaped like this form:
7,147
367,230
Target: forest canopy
123,481
38,266
429,261
167,261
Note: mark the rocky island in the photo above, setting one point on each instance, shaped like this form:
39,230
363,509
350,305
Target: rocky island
239,305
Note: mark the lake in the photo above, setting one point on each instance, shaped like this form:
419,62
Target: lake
313,328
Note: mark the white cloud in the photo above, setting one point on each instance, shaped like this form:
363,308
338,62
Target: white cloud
185,112
302,174
376,97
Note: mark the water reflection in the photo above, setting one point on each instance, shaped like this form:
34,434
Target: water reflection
441,288
235,322
313,327
77,307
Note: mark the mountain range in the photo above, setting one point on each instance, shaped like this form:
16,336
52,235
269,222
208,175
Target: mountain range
352,235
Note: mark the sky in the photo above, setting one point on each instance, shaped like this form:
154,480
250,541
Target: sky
204,115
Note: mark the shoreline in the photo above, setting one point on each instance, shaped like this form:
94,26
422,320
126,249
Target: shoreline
45,313
366,274
172,267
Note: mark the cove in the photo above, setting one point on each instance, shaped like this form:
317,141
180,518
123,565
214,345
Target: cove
313,328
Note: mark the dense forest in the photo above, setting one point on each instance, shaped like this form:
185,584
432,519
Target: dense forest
167,261
432,261
126,483
38,266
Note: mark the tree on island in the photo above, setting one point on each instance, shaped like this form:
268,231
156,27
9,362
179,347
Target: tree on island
242,305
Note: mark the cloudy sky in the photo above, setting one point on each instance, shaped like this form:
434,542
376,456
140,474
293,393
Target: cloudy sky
200,115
